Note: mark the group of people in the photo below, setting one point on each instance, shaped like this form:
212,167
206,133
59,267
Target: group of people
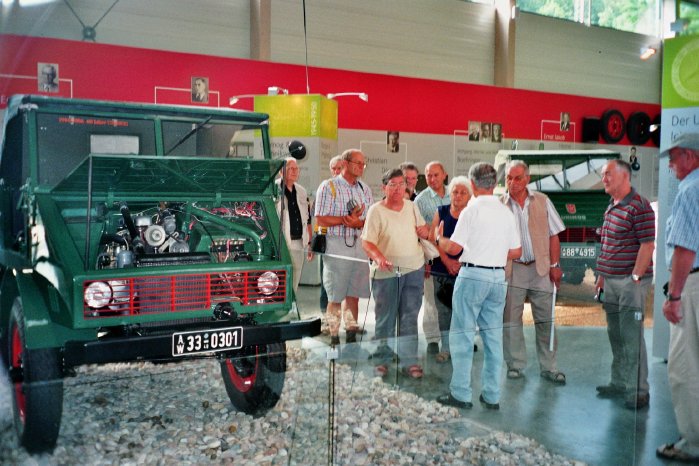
495,253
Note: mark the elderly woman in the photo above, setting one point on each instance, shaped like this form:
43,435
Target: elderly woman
390,239
446,267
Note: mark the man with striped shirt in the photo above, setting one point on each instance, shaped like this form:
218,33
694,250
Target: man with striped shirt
625,272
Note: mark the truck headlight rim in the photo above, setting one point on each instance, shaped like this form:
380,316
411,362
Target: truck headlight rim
268,283
97,295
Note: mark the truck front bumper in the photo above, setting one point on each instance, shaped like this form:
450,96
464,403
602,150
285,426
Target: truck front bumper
159,346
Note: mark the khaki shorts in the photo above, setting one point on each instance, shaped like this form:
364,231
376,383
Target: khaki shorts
345,277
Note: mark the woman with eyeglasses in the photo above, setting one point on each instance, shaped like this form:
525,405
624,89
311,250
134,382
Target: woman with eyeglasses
390,239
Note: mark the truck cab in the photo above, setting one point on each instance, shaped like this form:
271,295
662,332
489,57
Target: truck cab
572,180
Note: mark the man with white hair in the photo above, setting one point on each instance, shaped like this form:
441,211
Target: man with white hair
681,307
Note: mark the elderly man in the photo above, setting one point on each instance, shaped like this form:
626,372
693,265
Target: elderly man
341,206
296,219
531,276
428,201
335,165
487,234
411,173
681,307
625,273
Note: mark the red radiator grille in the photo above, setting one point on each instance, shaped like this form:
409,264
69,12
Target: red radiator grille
180,293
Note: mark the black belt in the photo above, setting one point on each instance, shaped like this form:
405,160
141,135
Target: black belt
468,264
524,263
694,270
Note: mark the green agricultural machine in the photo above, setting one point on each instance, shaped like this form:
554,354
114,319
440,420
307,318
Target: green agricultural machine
572,179
139,233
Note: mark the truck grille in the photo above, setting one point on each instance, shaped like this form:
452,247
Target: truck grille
181,293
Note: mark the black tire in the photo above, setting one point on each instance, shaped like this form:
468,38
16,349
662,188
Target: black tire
574,277
612,126
638,128
254,379
37,388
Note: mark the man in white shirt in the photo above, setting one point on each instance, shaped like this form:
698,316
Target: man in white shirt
487,234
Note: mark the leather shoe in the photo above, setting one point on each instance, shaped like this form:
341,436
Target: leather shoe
610,391
449,400
637,401
488,405
351,337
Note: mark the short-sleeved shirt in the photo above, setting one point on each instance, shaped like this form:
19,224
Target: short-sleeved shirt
393,233
683,222
487,231
444,213
428,200
332,198
627,224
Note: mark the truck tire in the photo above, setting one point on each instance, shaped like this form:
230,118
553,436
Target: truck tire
254,380
37,388
574,277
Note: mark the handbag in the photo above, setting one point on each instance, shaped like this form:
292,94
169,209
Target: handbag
429,249
318,242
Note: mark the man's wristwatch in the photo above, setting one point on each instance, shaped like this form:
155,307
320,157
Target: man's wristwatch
673,298
555,265
635,278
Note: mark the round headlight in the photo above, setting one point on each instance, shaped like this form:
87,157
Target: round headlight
268,283
97,294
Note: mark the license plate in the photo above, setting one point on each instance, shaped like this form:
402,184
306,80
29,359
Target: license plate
207,341
578,252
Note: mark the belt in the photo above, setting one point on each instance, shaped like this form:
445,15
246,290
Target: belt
694,270
468,264
524,263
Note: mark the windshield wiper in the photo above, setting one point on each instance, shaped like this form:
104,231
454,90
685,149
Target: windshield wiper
189,135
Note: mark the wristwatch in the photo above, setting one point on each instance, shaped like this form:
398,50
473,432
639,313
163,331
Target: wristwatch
635,278
436,240
673,298
555,265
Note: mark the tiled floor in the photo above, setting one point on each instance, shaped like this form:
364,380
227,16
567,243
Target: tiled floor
569,420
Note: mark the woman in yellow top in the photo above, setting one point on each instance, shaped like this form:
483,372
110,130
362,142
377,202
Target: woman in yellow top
390,239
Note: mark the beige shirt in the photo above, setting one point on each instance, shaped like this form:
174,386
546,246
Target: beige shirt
394,235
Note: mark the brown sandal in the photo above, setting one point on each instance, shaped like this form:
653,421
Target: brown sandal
414,371
381,370
443,357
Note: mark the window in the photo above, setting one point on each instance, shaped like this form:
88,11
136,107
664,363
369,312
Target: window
639,16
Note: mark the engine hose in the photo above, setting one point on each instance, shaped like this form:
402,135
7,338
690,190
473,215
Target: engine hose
128,221
250,233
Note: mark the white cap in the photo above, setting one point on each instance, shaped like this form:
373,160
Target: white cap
685,141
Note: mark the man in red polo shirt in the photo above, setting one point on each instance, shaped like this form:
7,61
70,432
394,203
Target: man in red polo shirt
625,273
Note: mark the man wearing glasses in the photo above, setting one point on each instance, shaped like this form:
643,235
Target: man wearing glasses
341,205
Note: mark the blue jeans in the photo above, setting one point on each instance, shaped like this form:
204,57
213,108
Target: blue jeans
478,304
398,300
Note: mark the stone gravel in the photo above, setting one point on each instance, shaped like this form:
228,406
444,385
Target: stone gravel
168,414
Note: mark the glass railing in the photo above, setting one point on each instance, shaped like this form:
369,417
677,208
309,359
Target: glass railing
374,399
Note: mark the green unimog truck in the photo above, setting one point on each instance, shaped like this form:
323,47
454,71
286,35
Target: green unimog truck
572,180
137,232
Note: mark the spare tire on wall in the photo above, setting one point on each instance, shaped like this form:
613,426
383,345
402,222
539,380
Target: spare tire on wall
612,126
638,128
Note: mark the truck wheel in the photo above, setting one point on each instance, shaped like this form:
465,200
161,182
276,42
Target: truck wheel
37,388
254,380
574,277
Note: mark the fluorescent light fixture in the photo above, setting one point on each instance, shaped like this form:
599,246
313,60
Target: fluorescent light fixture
362,95
234,100
24,3
647,52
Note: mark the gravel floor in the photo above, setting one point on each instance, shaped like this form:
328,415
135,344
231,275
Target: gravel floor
180,414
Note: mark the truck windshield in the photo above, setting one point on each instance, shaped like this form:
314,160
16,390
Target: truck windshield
64,140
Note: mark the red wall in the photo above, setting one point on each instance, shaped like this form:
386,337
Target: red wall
109,72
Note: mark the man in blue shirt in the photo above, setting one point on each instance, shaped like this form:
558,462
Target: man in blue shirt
681,307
